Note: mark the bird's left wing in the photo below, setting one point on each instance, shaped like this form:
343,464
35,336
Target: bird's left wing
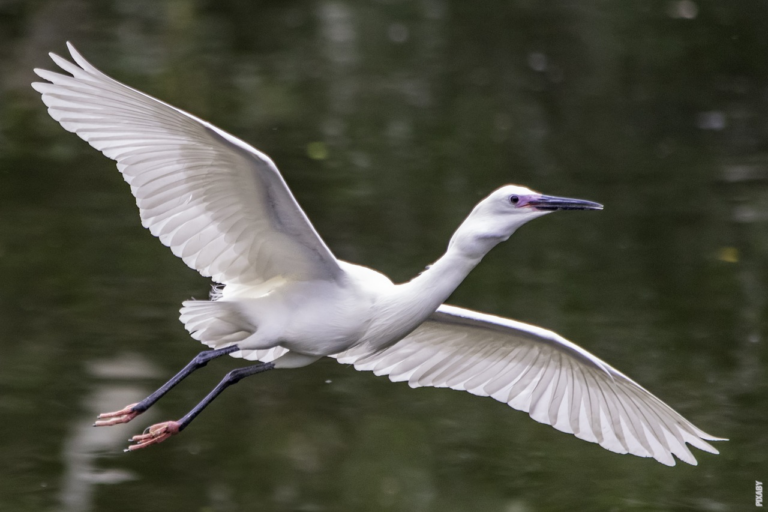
539,372
218,203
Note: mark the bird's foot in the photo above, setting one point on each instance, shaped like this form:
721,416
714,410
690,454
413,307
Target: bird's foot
154,435
124,415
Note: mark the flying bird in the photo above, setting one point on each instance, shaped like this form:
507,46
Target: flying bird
224,209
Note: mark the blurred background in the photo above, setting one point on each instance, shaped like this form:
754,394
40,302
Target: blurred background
390,119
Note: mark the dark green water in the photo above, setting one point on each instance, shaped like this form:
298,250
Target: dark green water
390,120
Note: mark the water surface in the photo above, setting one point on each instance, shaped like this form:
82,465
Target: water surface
390,120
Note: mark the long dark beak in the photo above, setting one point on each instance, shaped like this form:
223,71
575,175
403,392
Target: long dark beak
551,203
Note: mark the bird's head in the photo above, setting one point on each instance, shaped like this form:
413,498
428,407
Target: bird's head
497,216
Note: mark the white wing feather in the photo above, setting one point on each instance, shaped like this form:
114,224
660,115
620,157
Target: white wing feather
218,203
538,372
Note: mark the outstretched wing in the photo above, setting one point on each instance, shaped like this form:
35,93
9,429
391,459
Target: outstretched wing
218,203
541,373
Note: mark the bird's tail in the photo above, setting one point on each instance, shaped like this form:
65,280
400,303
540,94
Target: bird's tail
216,324
219,324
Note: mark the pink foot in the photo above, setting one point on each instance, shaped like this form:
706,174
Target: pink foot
154,435
124,415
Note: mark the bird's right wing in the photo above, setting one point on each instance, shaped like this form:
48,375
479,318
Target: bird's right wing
218,203
539,372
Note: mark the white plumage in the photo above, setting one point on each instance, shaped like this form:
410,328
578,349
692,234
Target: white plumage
224,209
219,204
538,372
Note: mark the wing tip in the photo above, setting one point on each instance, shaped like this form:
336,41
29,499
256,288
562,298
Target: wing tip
72,50
58,59
80,60
670,463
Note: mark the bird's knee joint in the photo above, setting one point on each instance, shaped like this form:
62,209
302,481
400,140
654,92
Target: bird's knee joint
234,376
202,358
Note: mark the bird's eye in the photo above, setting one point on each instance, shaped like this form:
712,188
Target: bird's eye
514,199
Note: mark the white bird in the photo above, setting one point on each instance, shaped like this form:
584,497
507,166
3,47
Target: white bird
224,209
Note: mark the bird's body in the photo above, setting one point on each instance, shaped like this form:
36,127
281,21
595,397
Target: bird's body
308,318
223,207
356,307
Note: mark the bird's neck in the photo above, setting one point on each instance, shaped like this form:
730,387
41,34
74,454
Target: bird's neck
413,302
423,294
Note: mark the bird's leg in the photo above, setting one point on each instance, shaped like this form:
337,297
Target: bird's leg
129,412
161,431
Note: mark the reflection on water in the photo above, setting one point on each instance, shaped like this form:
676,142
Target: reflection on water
390,119
85,444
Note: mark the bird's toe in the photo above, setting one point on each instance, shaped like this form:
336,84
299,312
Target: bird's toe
153,435
124,415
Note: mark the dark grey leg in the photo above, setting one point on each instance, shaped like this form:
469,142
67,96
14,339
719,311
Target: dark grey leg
129,412
162,431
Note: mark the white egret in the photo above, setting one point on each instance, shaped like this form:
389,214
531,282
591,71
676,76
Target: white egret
223,207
